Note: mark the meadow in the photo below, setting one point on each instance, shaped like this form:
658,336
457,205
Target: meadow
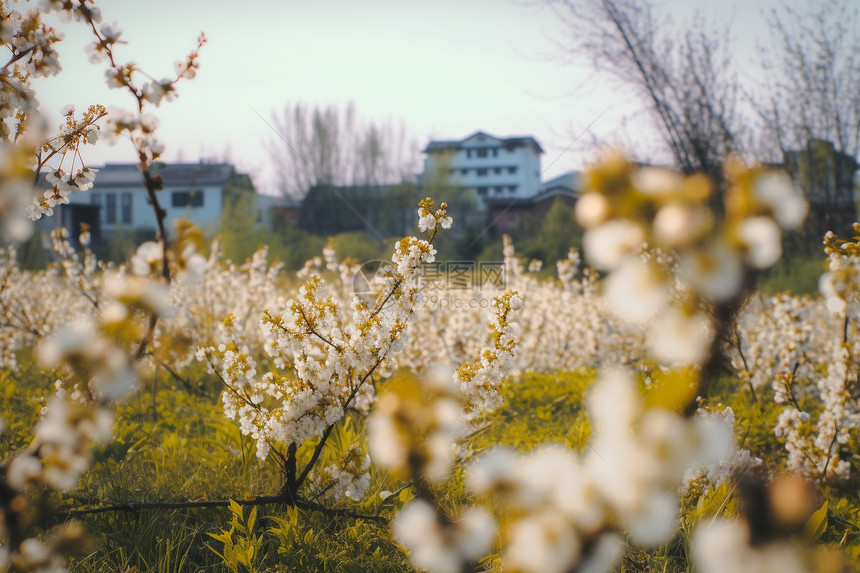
181,487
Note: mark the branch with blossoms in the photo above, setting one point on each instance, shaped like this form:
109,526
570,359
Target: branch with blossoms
93,355
94,368
413,432
73,133
682,272
23,142
140,127
308,324
816,441
631,212
628,210
325,357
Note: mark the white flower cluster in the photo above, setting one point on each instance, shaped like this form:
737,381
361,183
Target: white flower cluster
90,347
330,256
479,381
839,285
31,43
63,184
61,448
414,427
443,546
568,268
429,219
43,556
566,512
814,449
203,299
185,263
795,346
26,34
699,476
567,326
723,545
324,350
779,344
630,208
410,252
25,317
413,433
140,128
16,186
349,478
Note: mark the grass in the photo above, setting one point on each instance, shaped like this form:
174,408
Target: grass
175,445
798,274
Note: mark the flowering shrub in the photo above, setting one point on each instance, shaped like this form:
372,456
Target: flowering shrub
97,352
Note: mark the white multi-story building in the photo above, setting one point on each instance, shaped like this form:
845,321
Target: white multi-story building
496,168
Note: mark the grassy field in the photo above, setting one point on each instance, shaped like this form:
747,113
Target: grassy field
172,444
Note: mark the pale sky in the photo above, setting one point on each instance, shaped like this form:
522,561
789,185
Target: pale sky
444,68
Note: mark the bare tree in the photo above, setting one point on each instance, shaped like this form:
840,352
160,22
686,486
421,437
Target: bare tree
810,107
685,76
327,146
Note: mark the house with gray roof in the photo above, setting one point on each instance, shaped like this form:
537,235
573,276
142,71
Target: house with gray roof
118,199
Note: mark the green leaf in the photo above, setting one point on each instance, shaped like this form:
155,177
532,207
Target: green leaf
252,519
10,389
215,551
816,525
406,495
672,391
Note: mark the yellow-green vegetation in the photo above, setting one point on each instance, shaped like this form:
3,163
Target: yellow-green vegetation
798,274
539,409
174,444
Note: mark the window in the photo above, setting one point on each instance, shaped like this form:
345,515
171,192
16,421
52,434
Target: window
512,170
482,172
512,188
469,153
96,199
110,208
482,190
497,170
482,153
495,152
187,198
125,208
497,189
464,171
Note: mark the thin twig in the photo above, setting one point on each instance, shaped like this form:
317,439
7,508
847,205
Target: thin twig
134,506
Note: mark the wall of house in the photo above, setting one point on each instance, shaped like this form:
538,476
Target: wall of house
128,207
493,170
